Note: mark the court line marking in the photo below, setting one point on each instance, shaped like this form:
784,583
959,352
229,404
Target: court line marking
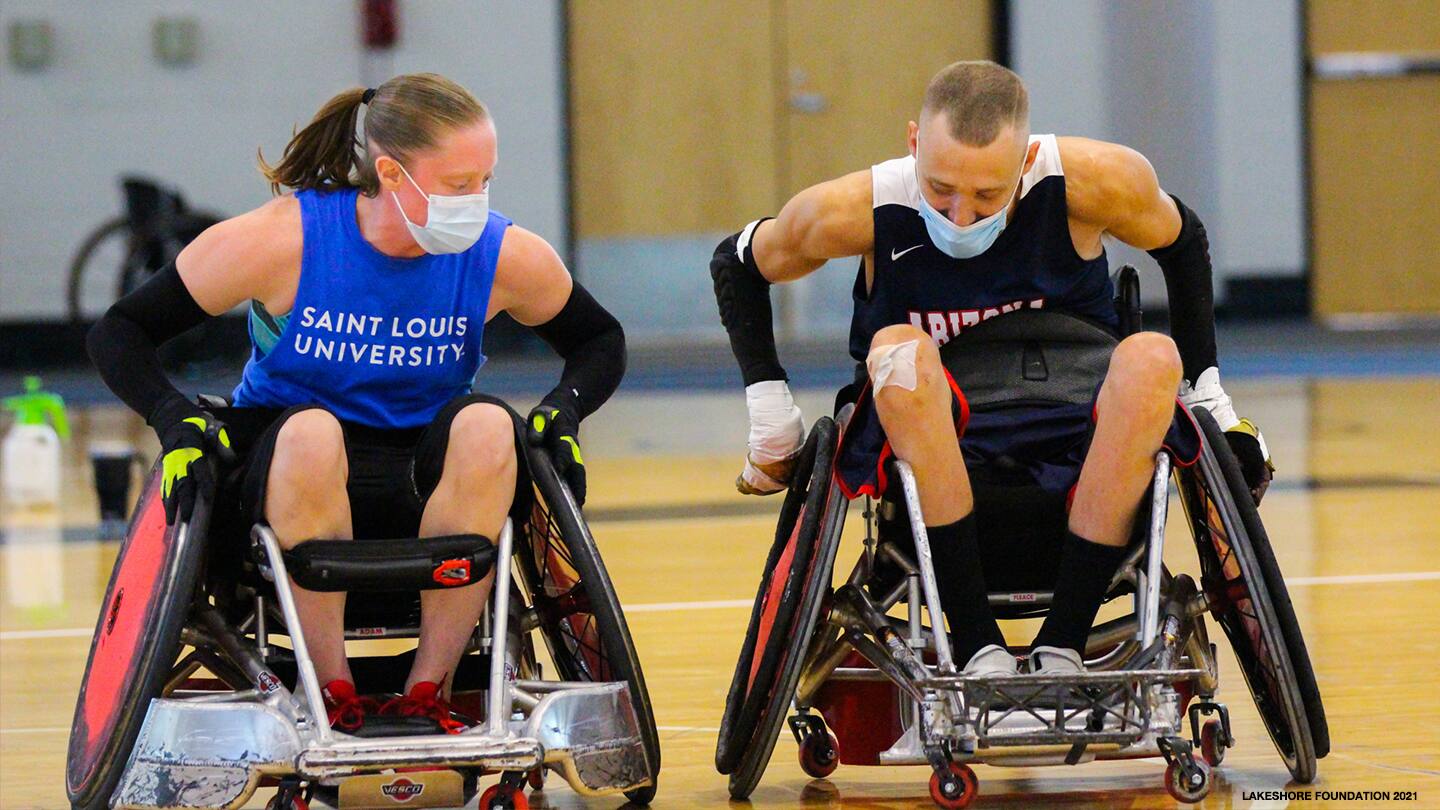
48,730
724,604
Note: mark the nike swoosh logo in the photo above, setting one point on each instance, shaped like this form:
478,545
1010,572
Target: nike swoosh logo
895,255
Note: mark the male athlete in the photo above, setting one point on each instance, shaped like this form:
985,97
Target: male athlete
982,218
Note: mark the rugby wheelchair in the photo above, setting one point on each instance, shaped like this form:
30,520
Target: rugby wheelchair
189,701
871,688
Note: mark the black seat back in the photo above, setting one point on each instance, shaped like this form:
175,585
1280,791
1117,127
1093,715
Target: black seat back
1029,357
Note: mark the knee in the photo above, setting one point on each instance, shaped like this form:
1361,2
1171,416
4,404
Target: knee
1147,365
309,442
891,372
481,443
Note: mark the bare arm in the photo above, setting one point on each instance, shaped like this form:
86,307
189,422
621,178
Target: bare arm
255,255
830,220
1114,189
531,282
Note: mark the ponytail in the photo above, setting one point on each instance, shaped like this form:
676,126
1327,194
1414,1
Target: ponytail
322,155
404,116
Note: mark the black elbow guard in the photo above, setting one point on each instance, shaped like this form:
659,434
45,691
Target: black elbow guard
592,343
1190,287
743,296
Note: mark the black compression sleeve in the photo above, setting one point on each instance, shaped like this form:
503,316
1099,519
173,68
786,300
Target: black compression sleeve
1189,285
592,343
123,344
743,295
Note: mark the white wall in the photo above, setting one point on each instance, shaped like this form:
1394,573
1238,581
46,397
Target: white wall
1210,92
105,107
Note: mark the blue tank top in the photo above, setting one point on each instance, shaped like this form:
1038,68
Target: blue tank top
1032,264
378,340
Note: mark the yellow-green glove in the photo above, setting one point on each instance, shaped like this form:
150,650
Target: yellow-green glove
557,430
184,469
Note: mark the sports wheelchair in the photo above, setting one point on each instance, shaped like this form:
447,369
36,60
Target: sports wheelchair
869,688
188,701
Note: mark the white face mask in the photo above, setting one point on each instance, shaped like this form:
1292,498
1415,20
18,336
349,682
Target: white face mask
452,224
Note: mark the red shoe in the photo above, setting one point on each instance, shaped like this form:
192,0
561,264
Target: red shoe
424,701
345,709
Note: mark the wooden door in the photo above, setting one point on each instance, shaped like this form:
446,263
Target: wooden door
1374,122
672,115
855,73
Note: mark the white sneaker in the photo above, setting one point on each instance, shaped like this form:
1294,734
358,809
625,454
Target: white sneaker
1045,660
992,659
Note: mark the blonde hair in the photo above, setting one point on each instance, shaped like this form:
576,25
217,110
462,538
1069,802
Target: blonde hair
980,99
406,115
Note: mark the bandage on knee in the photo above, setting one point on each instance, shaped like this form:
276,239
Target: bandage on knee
893,364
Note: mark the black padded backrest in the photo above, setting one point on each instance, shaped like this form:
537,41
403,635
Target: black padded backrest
1029,357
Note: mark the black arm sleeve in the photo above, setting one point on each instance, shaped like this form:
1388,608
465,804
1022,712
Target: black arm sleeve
592,343
743,295
123,344
1190,288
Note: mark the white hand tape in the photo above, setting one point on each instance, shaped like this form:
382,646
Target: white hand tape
777,428
1207,392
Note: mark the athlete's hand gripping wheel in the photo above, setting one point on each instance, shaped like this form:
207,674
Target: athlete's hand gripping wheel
189,439
557,430
1244,438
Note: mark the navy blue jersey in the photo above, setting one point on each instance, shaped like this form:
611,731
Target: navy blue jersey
1032,264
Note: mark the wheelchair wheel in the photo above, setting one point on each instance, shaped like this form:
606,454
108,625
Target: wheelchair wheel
787,607
580,615
1250,602
137,640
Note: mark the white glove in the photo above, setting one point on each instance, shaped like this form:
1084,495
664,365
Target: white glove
777,432
1207,392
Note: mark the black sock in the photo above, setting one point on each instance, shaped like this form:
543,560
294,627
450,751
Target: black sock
955,549
1085,572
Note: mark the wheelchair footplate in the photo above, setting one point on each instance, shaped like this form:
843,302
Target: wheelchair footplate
1123,710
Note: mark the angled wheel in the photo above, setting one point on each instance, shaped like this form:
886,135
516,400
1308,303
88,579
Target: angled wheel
580,615
787,606
1249,600
137,639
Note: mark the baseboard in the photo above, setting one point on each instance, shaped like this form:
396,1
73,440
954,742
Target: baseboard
1266,296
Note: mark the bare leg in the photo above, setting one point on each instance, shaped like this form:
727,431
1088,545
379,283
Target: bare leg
305,499
473,496
1136,404
921,429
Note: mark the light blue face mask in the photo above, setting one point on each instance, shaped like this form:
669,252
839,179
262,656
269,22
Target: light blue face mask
957,241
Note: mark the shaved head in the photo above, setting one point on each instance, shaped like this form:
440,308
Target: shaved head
979,100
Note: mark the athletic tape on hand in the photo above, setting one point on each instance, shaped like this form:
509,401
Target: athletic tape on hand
1207,392
893,364
758,480
777,428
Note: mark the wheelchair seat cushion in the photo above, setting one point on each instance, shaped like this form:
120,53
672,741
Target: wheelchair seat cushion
1032,415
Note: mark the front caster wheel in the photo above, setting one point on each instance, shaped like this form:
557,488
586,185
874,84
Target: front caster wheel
1188,785
504,797
1213,743
819,756
957,791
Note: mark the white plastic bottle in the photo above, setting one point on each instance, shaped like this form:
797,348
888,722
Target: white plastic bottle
30,454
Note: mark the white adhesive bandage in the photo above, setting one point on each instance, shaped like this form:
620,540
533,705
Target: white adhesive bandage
893,364
1208,393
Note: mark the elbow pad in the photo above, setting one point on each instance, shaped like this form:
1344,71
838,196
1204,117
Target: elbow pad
592,343
1190,288
743,296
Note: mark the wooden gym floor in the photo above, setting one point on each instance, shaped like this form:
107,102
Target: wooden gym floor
1353,516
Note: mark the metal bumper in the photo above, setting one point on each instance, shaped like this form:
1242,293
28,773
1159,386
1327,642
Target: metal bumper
212,753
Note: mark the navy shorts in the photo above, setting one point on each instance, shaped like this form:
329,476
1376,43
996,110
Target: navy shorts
1026,445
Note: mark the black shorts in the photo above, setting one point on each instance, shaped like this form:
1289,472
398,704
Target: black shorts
392,472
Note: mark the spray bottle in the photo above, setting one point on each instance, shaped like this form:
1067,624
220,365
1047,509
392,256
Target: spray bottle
30,455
